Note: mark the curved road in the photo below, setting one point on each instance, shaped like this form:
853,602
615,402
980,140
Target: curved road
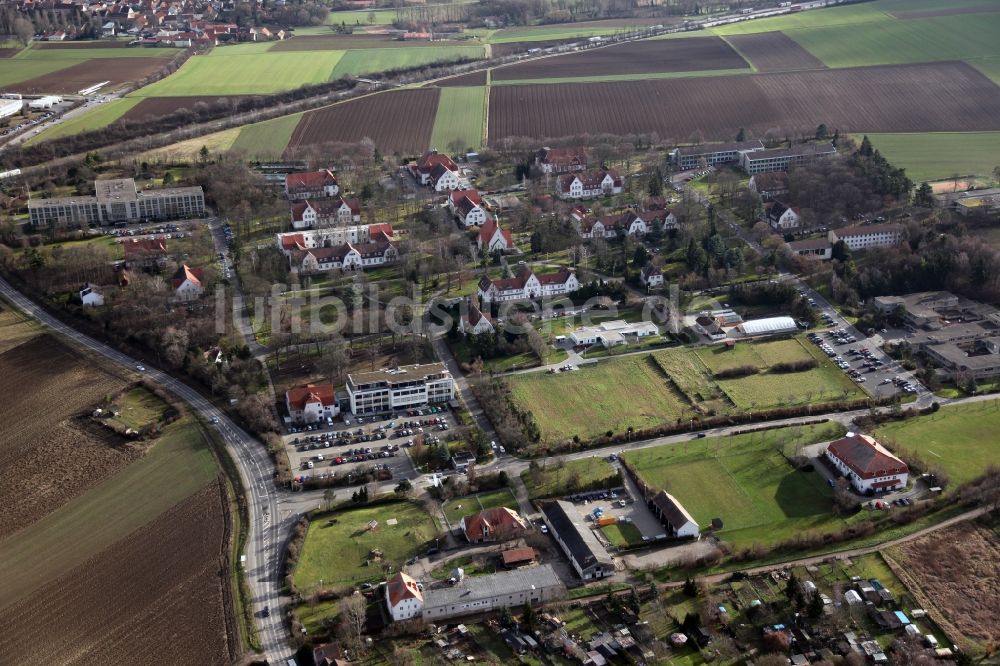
266,531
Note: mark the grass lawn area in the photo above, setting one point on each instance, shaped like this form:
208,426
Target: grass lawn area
98,118
337,545
315,616
216,142
599,391
961,439
622,534
358,18
553,479
459,507
16,71
941,155
745,481
367,61
956,37
460,116
267,139
245,74
848,16
178,465
139,407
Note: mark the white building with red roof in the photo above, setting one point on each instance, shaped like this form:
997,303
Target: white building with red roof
466,206
526,285
869,466
493,238
298,241
312,213
561,160
422,169
187,283
589,184
475,322
403,598
311,403
346,256
311,185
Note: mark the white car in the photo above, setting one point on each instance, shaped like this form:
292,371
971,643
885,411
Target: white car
493,445
140,368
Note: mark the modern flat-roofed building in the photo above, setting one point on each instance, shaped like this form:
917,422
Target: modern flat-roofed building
811,248
690,157
985,201
780,159
482,594
402,387
118,200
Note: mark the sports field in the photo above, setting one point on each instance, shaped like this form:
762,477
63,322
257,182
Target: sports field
961,439
267,139
460,117
745,481
338,547
939,156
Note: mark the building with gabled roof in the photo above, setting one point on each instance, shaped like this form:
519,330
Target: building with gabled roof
769,185
187,282
867,236
589,184
310,213
475,322
561,160
423,169
782,217
493,238
589,558
311,403
311,185
482,594
526,284
496,524
673,515
403,598
869,466
811,248
651,276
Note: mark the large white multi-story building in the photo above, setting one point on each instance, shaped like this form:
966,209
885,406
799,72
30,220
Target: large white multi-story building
404,387
780,159
868,236
118,200
869,466
526,285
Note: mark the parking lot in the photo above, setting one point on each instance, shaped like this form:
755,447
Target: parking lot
863,362
323,450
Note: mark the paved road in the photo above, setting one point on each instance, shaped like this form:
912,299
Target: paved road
266,534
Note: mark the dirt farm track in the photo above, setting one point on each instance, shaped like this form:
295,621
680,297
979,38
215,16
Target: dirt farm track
948,96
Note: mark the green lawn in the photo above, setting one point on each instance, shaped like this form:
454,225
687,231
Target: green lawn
552,479
359,18
961,439
180,464
245,74
366,61
613,395
337,545
622,534
745,481
139,407
460,507
98,118
938,156
460,115
268,139
957,37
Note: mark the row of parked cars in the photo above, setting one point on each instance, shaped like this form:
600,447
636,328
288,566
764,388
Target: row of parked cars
905,385
870,363
27,123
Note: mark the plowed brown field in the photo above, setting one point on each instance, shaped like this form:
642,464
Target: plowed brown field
9,53
155,597
949,96
397,121
47,455
774,52
87,73
154,107
644,57
470,79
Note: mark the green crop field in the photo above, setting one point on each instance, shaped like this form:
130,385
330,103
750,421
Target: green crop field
98,118
460,507
848,16
249,74
360,18
16,71
940,156
745,481
366,61
179,464
613,394
267,139
460,116
553,32
961,439
338,545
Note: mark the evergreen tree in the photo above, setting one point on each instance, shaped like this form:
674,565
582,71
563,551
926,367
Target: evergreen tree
741,135
866,149
815,608
924,196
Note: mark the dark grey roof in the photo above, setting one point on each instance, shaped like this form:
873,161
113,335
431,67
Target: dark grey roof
672,510
473,588
709,148
579,539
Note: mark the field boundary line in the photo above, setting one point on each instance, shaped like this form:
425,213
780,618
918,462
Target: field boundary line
485,132
747,60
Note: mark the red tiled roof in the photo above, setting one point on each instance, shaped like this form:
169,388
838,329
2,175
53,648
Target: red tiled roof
401,587
309,180
489,229
518,555
431,159
496,521
559,277
183,273
293,242
563,156
298,397
471,195
591,180
476,315
139,247
383,228
866,457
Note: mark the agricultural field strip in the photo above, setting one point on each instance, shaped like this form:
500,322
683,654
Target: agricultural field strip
461,114
941,155
97,118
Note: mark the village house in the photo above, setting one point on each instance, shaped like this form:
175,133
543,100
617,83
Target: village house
867,236
90,297
291,242
443,179
496,524
867,465
403,597
811,248
674,516
467,207
145,252
475,322
492,238
311,403
769,185
651,276
526,285
561,160
187,283
311,185
783,218
346,257
618,225
311,213
423,170
589,184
